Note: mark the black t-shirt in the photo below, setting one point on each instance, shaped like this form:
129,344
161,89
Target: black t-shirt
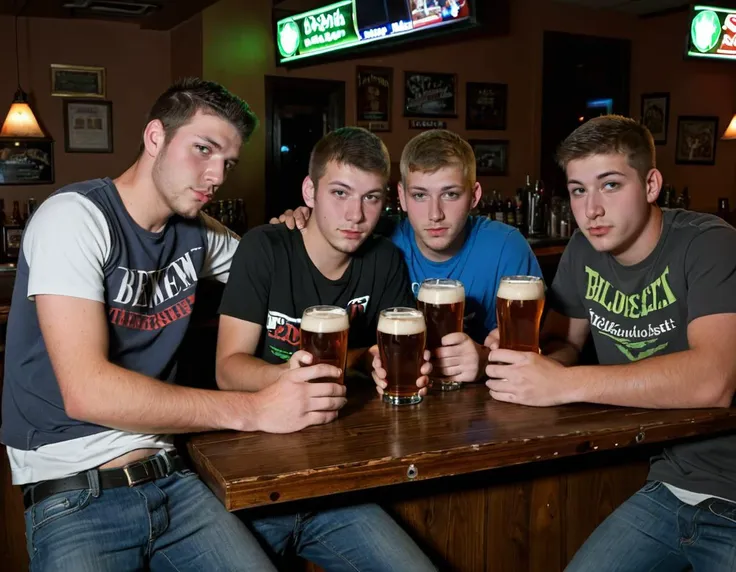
273,280
643,310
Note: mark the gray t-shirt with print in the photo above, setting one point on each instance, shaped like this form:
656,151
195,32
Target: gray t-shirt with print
640,311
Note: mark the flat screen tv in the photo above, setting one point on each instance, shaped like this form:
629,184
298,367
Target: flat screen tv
355,24
712,33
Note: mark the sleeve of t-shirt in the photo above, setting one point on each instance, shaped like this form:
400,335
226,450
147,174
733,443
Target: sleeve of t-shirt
221,246
66,245
246,293
563,296
710,271
517,257
397,291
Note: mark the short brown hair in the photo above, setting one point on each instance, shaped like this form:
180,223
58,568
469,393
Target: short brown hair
435,149
183,99
352,146
610,134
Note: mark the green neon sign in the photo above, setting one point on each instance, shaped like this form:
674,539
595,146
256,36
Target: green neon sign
317,31
712,33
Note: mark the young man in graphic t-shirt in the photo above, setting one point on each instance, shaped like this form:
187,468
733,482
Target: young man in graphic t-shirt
276,274
656,289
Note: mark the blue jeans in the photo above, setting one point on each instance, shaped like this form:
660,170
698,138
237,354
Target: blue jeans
170,524
357,538
654,531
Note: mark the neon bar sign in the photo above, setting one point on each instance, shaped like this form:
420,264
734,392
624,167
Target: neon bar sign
712,33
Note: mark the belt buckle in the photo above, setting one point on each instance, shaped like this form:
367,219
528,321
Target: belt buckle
132,481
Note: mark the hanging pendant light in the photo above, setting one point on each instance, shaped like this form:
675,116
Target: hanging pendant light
730,132
20,121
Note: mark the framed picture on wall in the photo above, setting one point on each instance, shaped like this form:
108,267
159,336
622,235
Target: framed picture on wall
655,115
486,106
77,81
696,140
491,156
430,94
373,97
87,126
26,162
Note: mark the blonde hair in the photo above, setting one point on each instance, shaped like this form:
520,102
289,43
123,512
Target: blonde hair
432,150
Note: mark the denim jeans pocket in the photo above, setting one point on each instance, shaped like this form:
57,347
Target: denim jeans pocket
185,473
58,506
723,509
650,487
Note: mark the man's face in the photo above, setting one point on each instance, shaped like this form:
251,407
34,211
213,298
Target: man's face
188,170
610,202
346,203
437,205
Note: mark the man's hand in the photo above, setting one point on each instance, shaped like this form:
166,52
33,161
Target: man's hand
292,403
459,358
379,374
493,340
296,218
528,378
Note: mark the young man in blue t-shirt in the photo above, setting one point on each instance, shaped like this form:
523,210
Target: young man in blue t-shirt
439,239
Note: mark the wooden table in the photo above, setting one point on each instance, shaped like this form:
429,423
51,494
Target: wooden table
481,485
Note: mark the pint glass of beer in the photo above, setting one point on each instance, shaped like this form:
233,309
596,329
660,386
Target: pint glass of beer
324,334
401,342
442,302
519,305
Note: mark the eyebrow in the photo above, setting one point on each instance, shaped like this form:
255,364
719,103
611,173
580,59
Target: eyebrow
211,141
445,188
599,177
349,188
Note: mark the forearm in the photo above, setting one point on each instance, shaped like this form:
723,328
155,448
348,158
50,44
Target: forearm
121,399
243,372
679,380
561,351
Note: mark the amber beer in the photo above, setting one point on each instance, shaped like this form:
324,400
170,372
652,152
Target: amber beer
401,341
519,306
442,301
324,334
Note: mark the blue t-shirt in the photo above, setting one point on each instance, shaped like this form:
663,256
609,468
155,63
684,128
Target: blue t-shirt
491,250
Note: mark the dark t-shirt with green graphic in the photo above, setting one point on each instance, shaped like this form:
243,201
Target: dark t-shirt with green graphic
273,280
640,311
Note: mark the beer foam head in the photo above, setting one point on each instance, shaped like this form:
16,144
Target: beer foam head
401,322
325,321
521,289
441,292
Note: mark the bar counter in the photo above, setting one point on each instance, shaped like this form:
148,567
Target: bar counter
480,484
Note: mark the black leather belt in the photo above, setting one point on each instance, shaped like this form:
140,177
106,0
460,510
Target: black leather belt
130,475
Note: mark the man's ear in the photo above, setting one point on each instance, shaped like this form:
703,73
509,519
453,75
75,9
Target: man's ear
402,196
308,191
154,138
653,185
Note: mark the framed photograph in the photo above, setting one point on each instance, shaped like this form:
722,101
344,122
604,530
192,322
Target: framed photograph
430,94
696,140
87,126
373,95
486,106
26,162
655,115
77,81
491,156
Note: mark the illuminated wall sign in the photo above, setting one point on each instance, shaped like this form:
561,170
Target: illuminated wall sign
712,33
351,23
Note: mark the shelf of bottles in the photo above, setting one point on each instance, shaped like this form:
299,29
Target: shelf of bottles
11,227
231,213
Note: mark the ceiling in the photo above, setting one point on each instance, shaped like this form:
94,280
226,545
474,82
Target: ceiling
148,14
643,7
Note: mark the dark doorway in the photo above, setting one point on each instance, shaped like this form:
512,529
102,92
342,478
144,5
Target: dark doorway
298,113
582,77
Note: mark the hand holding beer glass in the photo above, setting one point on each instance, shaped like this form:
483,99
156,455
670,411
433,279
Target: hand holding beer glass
519,306
401,342
442,301
324,334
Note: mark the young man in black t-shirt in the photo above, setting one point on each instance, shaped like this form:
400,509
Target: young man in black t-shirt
656,289
276,274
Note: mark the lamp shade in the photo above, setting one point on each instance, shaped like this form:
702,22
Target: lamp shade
20,121
730,132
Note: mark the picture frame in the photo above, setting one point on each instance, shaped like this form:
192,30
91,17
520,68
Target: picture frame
491,157
374,97
88,126
26,161
485,105
697,136
430,94
655,115
77,81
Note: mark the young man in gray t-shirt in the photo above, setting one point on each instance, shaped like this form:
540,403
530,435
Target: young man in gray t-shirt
655,289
